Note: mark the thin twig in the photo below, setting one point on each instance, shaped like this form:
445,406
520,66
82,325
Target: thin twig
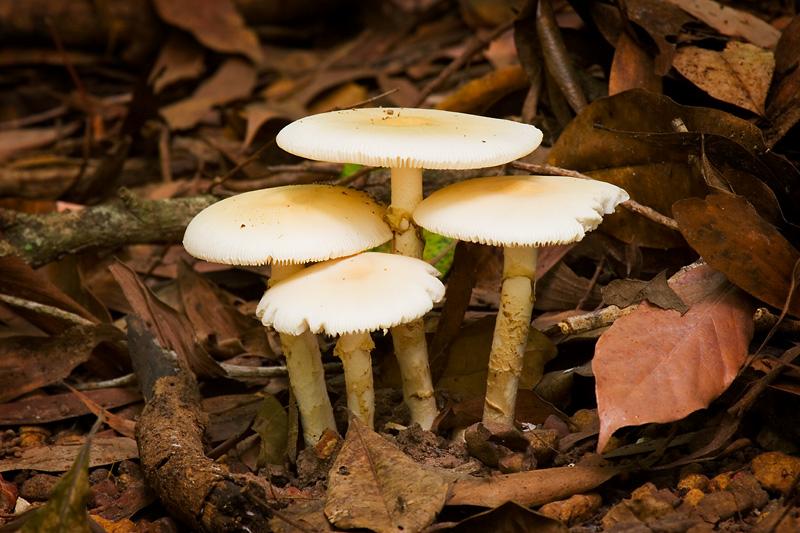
631,205
122,381
355,176
443,253
216,182
368,100
475,45
44,309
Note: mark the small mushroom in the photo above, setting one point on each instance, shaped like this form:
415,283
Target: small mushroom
349,297
286,227
519,213
407,140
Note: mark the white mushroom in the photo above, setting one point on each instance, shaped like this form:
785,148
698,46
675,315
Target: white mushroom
350,297
287,227
408,140
519,213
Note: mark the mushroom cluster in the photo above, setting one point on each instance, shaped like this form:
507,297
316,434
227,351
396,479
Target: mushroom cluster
350,293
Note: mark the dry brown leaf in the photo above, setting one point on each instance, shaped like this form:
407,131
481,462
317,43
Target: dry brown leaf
215,23
625,292
535,487
665,25
759,260
732,22
123,426
235,79
739,75
479,94
632,68
55,407
27,363
172,330
180,59
509,517
374,485
59,458
654,365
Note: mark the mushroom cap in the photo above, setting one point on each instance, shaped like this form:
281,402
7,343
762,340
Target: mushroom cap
287,225
409,138
519,210
361,293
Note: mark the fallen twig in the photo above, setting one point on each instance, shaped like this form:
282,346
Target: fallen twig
44,309
39,239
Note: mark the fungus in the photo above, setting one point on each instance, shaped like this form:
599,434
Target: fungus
348,297
518,213
407,140
286,227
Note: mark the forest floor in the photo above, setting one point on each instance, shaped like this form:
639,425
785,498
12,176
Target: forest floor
139,393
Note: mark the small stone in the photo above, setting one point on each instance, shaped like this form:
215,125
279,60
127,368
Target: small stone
38,487
719,482
693,482
586,420
693,497
574,510
776,471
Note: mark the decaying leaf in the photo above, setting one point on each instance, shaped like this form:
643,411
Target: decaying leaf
172,329
27,363
663,22
739,75
272,425
215,23
654,365
509,517
374,485
731,21
625,292
180,59
535,487
54,407
59,457
66,511
731,237
13,141
629,139
234,79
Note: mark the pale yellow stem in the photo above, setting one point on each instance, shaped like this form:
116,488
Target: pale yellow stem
306,375
354,350
510,334
409,339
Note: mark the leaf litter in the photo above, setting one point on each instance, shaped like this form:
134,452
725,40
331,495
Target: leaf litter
666,369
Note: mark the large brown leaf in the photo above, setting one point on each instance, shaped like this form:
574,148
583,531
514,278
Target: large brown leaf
655,365
374,485
629,139
734,239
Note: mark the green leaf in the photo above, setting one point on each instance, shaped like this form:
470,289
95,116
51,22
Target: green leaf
272,425
349,169
435,246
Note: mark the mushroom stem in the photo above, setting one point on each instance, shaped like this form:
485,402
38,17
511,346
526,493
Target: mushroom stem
510,334
409,339
406,195
306,374
354,350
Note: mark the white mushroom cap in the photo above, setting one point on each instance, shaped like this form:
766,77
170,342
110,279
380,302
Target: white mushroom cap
362,293
409,138
287,225
519,210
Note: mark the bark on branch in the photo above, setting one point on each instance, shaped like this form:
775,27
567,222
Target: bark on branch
40,239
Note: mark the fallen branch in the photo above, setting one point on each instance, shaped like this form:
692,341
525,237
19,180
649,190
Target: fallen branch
40,239
200,492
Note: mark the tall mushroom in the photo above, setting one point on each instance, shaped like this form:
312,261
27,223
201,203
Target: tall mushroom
518,213
407,140
350,297
286,227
